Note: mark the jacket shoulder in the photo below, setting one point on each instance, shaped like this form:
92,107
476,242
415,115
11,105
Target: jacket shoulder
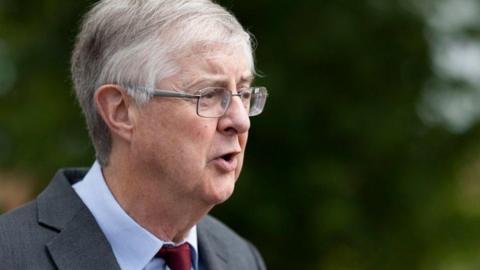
238,250
213,225
22,238
18,220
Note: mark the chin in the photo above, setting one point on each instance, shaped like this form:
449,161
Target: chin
222,189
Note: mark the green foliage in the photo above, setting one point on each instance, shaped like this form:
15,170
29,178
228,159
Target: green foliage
341,171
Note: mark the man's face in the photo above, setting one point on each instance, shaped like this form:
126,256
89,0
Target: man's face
193,157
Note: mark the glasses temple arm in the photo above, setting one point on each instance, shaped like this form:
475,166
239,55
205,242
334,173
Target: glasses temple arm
163,93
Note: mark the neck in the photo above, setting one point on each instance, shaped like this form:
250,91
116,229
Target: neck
152,204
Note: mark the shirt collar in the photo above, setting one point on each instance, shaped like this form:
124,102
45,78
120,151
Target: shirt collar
133,246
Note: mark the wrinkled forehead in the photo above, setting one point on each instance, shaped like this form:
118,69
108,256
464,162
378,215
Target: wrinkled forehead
214,61
214,50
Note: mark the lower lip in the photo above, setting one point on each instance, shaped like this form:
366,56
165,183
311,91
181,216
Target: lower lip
224,165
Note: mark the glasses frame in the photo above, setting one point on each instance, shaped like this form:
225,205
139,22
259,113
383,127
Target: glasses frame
198,94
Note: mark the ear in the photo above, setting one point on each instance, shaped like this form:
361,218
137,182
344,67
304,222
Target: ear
115,107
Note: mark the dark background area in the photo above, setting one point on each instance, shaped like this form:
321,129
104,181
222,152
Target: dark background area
366,156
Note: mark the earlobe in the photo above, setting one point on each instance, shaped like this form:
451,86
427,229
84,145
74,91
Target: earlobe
113,105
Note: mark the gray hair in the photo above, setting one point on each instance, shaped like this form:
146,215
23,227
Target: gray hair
136,42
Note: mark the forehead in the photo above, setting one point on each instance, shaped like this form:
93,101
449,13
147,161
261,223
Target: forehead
214,62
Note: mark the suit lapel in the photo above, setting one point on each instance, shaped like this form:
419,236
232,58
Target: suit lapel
212,251
80,243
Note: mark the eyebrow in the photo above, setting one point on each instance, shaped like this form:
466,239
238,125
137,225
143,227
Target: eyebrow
219,80
247,79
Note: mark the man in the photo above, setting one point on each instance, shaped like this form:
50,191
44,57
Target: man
165,86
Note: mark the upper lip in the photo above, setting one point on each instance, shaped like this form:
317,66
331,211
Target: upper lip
231,153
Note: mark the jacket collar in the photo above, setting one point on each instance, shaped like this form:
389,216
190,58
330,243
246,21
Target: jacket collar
80,243
212,249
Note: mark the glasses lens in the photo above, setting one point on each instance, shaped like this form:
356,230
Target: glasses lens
245,96
213,102
257,100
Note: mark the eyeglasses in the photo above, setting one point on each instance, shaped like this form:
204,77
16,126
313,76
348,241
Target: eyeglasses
213,102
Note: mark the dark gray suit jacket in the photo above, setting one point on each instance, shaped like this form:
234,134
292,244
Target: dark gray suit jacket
57,231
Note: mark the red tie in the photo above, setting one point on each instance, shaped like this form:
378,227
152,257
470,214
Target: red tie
177,257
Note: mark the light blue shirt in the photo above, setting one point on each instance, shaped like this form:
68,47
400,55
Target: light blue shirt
133,246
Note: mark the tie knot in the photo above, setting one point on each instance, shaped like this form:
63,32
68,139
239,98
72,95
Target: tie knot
177,257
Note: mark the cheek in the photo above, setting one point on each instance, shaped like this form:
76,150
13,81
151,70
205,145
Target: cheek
198,136
201,132
243,140
176,131
243,143
185,141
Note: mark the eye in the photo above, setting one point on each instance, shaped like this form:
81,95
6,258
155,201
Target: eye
212,97
211,93
245,94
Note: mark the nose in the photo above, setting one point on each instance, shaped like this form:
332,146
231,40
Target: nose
236,119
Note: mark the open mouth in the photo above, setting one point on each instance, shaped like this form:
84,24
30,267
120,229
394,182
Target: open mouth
227,162
228,157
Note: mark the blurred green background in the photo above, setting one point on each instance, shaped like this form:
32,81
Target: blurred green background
366,157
